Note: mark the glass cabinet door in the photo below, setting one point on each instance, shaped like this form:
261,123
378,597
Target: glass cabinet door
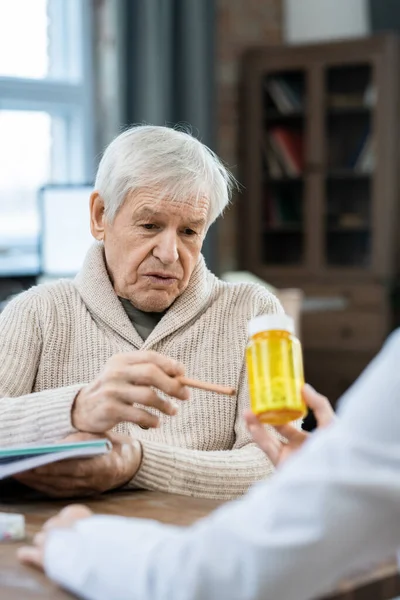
350,163
282,219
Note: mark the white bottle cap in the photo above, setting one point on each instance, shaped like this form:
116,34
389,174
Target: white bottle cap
271,323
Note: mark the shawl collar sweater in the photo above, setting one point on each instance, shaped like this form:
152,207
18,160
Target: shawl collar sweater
57,337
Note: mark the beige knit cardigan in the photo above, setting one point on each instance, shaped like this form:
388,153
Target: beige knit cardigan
56,337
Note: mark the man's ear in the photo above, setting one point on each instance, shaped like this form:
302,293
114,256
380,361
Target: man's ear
96,207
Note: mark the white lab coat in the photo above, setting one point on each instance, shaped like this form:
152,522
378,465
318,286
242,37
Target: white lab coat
334,507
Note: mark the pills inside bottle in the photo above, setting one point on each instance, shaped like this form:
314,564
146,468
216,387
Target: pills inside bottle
275,370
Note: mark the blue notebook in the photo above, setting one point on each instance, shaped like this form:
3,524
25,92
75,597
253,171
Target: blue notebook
17,459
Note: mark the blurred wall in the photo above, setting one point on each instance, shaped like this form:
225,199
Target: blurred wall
240,25
322,20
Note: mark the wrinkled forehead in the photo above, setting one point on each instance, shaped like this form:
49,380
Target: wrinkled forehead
151,203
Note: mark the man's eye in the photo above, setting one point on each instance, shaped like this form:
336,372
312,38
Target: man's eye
189,231
149,226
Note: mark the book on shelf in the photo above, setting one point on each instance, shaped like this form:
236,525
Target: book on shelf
282,210
353,221
287,147
285,95
366,160
362,159
370,96
274,167
363,99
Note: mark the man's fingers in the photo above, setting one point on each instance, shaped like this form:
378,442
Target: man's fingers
323,411
143,376
143,418
32,556
119,411
141,394
152,375
81,436
55,486
76,468
65,473
168,365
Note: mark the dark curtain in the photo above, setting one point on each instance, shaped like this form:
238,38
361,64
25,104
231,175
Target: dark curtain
169,70
384,15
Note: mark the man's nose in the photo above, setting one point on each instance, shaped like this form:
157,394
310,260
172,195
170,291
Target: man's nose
166,249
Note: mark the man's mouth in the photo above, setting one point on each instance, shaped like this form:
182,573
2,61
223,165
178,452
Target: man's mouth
161,278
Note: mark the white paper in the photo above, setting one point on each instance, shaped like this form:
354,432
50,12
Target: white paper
26,464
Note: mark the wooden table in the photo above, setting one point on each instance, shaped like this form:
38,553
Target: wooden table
18,582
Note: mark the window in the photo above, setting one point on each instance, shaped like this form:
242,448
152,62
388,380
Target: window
46,115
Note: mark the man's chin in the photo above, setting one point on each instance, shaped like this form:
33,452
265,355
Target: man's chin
158,301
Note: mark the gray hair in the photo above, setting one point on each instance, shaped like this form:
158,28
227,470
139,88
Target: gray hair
162,158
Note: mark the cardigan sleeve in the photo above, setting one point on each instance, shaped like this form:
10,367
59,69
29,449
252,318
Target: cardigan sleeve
27,417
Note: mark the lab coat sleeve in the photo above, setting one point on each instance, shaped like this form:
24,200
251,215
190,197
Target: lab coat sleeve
333,508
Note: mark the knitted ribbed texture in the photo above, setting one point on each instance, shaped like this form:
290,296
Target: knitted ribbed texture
55,338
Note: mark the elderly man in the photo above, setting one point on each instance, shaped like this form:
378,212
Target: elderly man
104,352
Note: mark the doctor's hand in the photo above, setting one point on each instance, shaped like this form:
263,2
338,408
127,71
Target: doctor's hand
65,519
274,447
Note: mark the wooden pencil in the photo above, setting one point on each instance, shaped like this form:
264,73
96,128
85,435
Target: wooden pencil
208,387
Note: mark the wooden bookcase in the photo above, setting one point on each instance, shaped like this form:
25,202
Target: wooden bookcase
341,218
320,164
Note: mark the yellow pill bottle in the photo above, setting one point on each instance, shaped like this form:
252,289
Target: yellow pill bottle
275,370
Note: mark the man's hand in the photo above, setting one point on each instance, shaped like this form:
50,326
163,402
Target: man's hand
277,450
34,555
87,476
128,379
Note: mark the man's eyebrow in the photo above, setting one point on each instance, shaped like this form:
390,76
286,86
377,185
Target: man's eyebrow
147,212
197,222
